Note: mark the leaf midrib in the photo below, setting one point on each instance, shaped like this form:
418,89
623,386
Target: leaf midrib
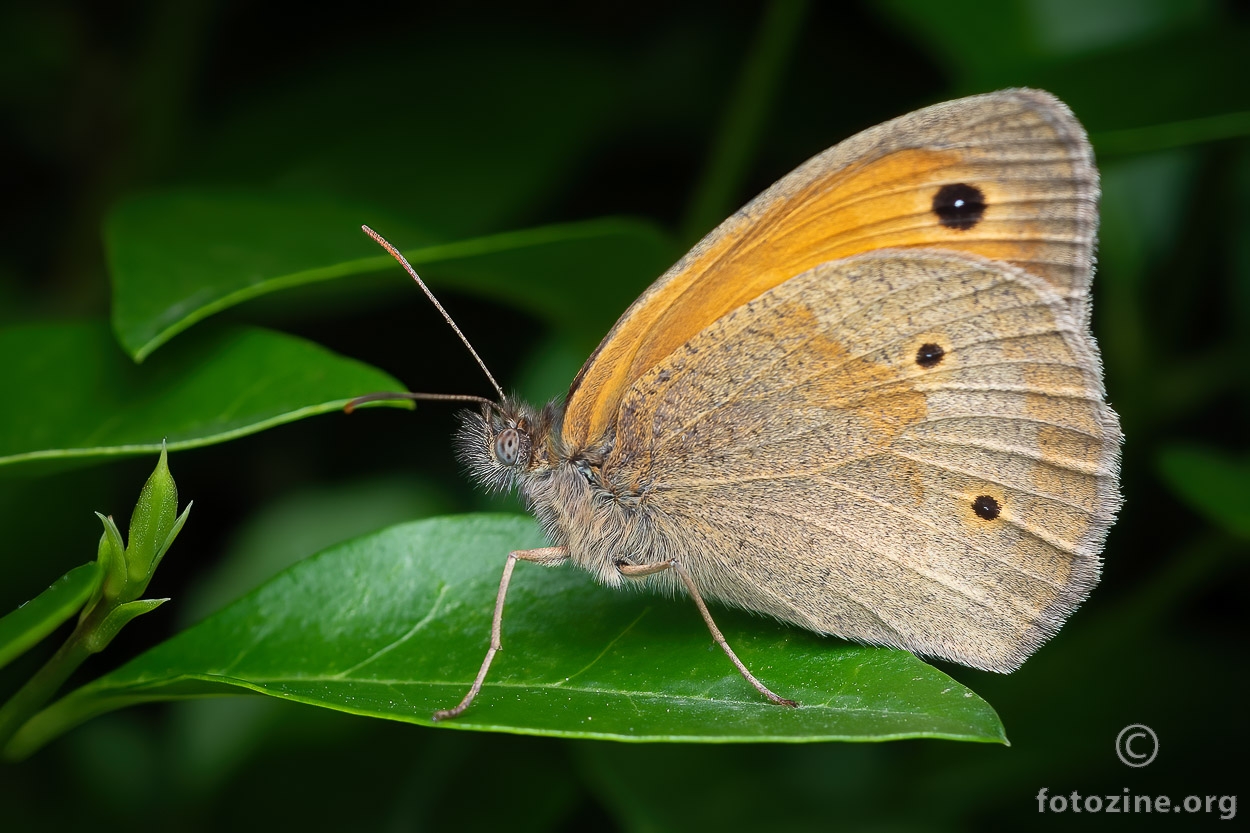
268,682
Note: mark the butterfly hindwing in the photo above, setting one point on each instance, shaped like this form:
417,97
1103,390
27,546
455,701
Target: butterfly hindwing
910,451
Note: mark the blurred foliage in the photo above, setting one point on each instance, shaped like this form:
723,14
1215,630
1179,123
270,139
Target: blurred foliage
451,127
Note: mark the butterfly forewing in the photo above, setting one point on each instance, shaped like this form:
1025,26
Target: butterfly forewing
1008,176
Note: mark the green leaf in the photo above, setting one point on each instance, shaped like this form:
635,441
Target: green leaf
30,623
279,534
394,625
117,619
1212,484
179,522
177,257
77,397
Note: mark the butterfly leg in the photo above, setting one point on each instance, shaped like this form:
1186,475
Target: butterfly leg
640,570
548,557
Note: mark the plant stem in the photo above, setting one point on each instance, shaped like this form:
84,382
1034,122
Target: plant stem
39,689
1156,137
745,116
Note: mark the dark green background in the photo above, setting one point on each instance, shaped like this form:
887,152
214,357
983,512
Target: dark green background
482,121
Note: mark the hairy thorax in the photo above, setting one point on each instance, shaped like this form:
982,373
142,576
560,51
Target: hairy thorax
602,519
585,499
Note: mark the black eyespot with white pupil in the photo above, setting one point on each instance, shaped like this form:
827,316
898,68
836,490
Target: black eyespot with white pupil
986,507
959,206
508,446
929,355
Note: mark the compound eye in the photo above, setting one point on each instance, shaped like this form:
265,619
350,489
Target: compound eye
508,446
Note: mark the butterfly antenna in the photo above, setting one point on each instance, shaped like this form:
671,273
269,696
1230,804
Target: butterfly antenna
428,397
381,241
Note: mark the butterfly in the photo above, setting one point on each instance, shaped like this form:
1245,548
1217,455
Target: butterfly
868,404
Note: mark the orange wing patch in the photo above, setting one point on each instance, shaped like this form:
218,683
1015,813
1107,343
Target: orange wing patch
1021,156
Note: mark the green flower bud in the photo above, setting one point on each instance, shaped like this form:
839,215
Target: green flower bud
112,557
154,519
